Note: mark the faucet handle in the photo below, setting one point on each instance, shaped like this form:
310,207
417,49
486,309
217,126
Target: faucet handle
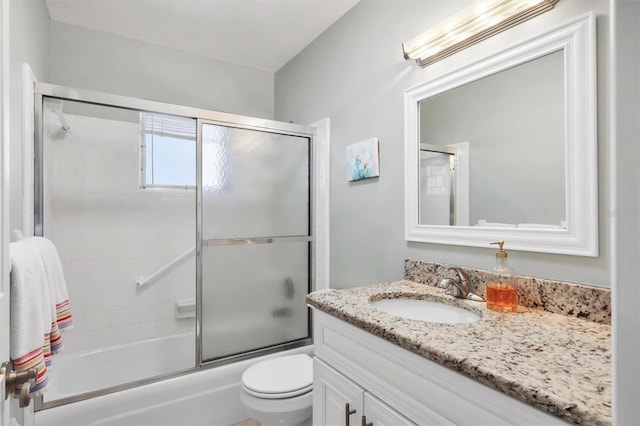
460,286
460,273
454,291
445,282
451,286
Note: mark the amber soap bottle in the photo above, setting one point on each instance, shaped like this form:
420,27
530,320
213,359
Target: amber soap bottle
502,290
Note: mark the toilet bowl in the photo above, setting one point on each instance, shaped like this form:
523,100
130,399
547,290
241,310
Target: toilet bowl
278,391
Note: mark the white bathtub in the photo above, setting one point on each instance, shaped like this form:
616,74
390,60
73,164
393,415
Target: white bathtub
73,373
206,397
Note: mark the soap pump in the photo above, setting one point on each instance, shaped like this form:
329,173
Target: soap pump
502,290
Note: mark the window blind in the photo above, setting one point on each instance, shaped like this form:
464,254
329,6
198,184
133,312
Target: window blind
168,125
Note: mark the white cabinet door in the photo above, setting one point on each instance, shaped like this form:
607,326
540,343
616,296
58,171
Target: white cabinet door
331,394
377,413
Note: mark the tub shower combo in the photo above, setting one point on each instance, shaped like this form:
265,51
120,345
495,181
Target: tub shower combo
186,239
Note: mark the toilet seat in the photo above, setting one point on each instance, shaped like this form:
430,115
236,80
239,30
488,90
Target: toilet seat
282,395
278,378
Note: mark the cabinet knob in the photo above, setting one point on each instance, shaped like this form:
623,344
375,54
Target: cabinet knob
364,421
348,411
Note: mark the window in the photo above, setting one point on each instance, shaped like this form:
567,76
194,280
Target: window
168,151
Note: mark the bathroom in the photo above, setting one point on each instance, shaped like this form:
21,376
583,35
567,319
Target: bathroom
354,74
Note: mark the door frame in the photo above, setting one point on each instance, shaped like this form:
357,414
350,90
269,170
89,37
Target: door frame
4,199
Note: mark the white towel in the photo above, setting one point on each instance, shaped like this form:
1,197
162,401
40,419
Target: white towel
57,286
30,312
39,307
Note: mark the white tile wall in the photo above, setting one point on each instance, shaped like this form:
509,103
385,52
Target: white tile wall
109,233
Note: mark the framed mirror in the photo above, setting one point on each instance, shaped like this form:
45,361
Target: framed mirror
506,148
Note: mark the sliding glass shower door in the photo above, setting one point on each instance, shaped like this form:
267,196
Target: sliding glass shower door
256,239
184,235
116,195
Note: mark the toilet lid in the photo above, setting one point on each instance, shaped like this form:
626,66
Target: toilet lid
281,377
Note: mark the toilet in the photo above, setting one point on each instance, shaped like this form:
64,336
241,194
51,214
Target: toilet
278,391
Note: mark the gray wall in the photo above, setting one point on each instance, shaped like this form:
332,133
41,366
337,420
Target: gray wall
29,40
355,74
103,62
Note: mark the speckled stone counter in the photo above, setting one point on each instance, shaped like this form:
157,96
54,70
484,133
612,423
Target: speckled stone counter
558,363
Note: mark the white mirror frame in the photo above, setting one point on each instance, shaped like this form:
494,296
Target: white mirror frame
578,41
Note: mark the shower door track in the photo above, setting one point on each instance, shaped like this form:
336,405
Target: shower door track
47,90
125,102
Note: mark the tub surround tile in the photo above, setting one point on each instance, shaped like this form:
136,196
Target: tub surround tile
577,300
557,363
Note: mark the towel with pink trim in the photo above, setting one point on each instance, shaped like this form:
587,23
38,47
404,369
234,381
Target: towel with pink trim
39,307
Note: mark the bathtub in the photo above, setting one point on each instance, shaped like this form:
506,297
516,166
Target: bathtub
74,373
203,397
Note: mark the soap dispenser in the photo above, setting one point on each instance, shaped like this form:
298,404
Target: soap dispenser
502,290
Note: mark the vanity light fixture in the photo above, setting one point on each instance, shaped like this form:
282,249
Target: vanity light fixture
479,21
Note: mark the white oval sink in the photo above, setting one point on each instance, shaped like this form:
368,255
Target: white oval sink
425,310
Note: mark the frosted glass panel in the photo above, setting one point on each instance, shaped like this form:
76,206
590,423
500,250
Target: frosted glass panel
253,297
255,184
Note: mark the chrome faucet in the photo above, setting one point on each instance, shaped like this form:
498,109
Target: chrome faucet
460,286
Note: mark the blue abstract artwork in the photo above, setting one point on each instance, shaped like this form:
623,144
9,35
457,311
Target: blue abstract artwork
362,160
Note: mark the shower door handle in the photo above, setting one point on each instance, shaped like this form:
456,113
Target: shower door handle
13,379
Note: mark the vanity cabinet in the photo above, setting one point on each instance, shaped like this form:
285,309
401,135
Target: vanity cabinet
391,385
339,401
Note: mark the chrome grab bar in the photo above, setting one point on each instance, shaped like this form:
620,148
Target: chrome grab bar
169,266
142,281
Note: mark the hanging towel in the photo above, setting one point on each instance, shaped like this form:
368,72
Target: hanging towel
40,307
57,285
31,313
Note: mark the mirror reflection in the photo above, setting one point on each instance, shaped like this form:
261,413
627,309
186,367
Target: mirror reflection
492,151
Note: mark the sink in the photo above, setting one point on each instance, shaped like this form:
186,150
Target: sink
425,310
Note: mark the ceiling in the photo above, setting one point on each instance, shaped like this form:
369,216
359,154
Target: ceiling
263,34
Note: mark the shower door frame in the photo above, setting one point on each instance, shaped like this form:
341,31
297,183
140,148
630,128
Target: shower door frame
47,90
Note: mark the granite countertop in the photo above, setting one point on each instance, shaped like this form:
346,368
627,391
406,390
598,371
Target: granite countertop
557,363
